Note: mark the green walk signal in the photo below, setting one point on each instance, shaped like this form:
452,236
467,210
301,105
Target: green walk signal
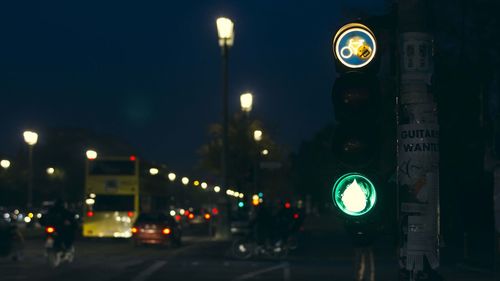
354,194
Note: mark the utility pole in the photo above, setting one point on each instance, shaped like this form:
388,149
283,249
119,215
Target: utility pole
418,145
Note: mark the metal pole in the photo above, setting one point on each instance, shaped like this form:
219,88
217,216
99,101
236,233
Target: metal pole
223,225
418,146
30,177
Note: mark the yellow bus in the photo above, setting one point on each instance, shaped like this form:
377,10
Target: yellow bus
111,196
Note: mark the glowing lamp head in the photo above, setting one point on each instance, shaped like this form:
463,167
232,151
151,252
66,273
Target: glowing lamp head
166,231
246,101
257,135
30,137
185,181
91,154
354,194
153,171
225,31
5,163
171,176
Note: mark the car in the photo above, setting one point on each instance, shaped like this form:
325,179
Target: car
157,229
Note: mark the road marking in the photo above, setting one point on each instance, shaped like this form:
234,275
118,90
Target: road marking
284,265
149,271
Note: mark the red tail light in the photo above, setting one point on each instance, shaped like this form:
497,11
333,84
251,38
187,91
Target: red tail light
191,216
134,230
186,213
90,214
215,211
295,216
130,214
207,216
50,229
177,217
166,231
132,158
288,205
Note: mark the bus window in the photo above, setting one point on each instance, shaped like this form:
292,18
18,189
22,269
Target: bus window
118,203
110,167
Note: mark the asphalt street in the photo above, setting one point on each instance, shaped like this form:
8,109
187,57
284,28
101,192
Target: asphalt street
321,256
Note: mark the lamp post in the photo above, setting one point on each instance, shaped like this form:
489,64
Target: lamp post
225,31
31,139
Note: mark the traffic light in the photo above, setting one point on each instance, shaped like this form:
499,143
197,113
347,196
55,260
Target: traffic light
356,146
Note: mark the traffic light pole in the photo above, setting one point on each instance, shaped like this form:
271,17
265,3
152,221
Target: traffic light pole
418,146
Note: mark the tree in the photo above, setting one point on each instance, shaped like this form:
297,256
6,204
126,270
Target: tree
244,152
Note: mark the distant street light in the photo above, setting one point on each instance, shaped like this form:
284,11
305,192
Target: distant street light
265,152
246,101
216,189
50,170
185,181
225,31
204,185
171,176
257,135
91,154
153,171
5,163
31,139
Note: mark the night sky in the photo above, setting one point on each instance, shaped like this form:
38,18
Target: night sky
149,72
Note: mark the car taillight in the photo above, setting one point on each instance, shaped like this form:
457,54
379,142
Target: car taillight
295,216
191,216
90,214
207,216
130,214
186,213
166,231
134,230
177,217
50,229
215,211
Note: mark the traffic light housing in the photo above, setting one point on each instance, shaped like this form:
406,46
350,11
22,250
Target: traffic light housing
356,145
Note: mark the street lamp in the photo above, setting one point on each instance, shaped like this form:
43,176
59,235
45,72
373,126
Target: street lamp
171,176
246,101
31,139
50,170
225,31
153,171
257,135
4,163
185,181
265,152
204,185
91,154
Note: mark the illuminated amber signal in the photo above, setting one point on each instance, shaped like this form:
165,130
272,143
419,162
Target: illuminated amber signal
50,229
134,230
166,231
207,216
354,45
